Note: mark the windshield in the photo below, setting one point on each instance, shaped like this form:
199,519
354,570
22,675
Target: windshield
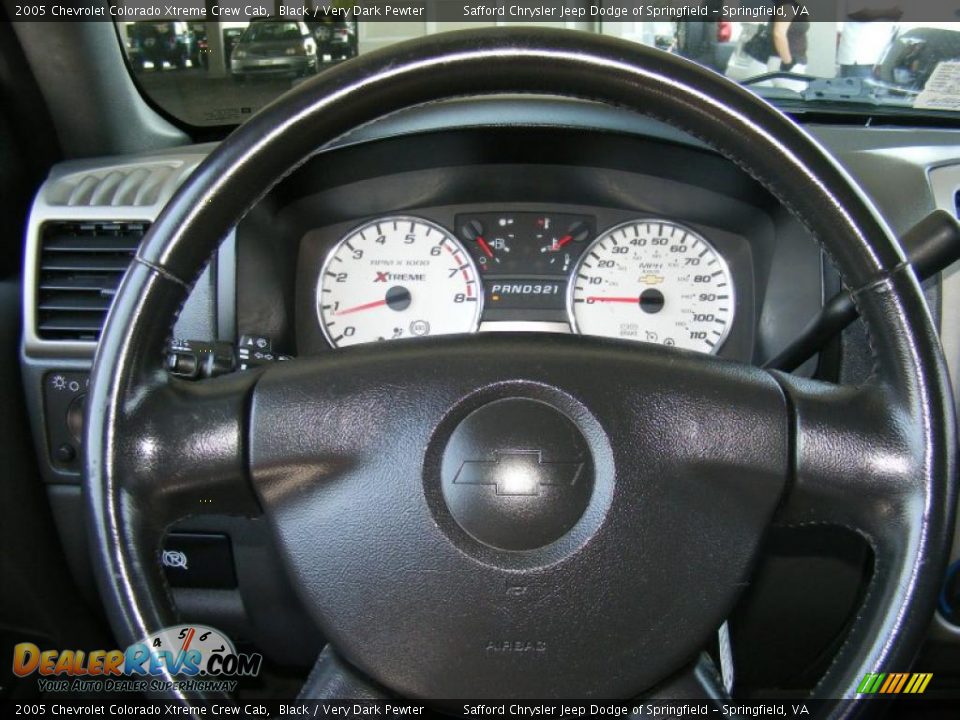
829,55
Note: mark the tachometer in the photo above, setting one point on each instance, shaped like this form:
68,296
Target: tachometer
653,281
397,277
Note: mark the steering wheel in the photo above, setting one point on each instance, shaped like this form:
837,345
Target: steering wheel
604,584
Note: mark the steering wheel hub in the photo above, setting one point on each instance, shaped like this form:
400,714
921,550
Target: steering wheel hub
517,474
475,507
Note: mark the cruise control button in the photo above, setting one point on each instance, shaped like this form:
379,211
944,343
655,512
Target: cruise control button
198,560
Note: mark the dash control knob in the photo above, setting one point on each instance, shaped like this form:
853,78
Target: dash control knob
75,416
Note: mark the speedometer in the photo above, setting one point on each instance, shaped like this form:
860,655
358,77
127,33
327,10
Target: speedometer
653,281
397,277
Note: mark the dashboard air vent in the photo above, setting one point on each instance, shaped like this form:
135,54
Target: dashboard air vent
81,265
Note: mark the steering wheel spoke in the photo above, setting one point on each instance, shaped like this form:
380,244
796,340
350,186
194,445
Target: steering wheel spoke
698,681
180,448
332,678
855,459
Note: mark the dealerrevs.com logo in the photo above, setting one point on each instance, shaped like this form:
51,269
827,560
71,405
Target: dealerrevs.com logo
196,656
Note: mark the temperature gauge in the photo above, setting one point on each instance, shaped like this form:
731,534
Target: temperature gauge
564,243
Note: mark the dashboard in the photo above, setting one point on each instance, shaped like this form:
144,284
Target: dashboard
502,215
508,229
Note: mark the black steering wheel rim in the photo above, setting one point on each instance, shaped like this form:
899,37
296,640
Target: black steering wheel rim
913,496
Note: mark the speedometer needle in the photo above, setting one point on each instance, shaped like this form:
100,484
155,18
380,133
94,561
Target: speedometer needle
601,298
365,306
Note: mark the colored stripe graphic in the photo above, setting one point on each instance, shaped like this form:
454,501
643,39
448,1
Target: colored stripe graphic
918,683
894,683
870,683
903,681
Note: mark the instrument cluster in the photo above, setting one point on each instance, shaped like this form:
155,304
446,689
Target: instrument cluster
645,279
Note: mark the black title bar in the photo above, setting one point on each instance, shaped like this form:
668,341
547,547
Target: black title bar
561,11
899,706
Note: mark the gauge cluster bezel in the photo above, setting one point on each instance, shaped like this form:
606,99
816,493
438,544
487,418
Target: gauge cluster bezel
734,249
617,176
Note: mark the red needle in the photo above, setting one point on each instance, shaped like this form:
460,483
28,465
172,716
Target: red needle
598,298
365,306
483,246
561,242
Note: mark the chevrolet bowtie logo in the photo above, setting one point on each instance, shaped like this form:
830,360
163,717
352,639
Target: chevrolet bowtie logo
518,472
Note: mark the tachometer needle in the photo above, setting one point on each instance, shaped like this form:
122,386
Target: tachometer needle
561,242
397,298
484,246
358,308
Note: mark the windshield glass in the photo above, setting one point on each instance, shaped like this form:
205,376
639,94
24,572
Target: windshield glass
830,55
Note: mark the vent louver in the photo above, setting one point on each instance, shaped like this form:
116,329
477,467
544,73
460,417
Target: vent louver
81,265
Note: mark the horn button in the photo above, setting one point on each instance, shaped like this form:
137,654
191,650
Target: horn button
456,533
517,474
